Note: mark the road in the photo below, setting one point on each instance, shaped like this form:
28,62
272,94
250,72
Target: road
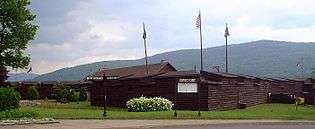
249,126
169,124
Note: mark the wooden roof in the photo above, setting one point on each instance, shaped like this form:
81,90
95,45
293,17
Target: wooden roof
135,71
221,74
176,74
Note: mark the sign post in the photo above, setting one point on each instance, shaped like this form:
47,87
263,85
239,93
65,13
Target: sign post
175,97
104,79
105,113
198,90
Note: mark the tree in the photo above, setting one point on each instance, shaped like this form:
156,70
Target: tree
17,29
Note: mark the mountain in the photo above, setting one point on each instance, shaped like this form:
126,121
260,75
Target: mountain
21,76
258,58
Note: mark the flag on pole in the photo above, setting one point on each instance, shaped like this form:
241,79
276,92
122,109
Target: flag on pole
227,33
216,67
198,21
144,36
30,70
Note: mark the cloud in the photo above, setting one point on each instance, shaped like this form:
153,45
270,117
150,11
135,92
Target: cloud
77,32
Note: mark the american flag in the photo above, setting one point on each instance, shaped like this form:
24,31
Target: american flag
198,21
227,33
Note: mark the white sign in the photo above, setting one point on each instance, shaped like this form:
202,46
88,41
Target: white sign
112,77
187,87
187,80
94,78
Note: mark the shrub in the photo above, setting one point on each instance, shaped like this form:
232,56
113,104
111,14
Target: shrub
143,104
82,95
61,93
14,114
32,93
9,99
65,94
73,96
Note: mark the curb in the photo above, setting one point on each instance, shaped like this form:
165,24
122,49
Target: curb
207,124
28,123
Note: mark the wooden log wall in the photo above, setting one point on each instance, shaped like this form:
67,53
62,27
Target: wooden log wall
234,91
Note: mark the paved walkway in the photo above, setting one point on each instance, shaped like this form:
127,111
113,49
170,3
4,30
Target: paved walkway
136,124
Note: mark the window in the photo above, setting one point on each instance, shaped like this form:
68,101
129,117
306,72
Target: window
184,87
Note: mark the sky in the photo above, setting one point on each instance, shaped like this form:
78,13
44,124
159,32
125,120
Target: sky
74,32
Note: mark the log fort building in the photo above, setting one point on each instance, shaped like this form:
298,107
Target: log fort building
186,89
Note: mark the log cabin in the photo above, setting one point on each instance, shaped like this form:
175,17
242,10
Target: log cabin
189,90
309,91
284,90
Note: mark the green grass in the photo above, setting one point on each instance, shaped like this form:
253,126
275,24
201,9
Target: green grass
84,111
17,114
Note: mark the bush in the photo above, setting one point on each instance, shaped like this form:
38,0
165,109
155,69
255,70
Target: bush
65,94
32,93
143,104
61,93
9,99
73,96
14,114
82,95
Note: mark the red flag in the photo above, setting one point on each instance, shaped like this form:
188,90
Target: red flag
198,21
227,33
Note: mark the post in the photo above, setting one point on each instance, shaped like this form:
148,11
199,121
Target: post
175,99
105,113
145,48
201,55
198,90
226,55
105,94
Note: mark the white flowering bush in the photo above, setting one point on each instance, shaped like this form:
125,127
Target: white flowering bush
143,104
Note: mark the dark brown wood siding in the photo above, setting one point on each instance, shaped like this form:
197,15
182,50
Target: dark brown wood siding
234,91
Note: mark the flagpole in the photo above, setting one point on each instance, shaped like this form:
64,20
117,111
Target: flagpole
201,62
226,49
226,55
145,49
200,34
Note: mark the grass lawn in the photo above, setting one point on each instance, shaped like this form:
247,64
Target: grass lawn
84,111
